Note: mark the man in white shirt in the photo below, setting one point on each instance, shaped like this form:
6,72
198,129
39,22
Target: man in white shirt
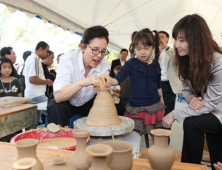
34,76
171,85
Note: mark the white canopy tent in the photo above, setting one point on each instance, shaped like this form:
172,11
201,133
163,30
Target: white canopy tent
121,17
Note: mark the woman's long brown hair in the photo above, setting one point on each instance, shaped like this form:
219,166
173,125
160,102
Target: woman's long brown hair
197,65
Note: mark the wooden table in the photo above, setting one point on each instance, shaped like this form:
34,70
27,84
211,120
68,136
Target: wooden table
46,156
13,119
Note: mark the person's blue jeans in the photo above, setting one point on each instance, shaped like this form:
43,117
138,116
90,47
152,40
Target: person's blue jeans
37,100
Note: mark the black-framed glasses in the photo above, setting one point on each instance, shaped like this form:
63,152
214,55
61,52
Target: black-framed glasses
97,51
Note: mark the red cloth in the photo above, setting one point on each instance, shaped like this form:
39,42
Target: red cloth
148,119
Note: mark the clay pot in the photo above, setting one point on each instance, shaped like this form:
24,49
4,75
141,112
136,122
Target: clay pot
99,152
161,156
27,148
80,158
121,157
24,164
60,164
103,112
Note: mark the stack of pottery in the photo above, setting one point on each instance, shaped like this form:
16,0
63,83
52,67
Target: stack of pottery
161,156
118,154
80,158
27,148
103,113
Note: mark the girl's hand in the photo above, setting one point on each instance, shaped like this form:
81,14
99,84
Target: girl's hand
94,80
106,80
196,103
218,166
168,120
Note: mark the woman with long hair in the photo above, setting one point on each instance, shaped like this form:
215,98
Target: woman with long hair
198,60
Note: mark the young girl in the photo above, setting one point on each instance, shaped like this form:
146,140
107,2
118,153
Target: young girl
145,97
9,85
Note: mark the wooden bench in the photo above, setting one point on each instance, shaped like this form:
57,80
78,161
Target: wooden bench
13,119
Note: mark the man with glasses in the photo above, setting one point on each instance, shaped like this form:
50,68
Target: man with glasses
77,73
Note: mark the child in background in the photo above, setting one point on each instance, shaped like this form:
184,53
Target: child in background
9,85
116,89
122,94
146,105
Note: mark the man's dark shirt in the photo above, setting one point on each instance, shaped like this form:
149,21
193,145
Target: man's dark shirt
49,89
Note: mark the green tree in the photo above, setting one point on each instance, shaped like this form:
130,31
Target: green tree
19,33
4,17
113,55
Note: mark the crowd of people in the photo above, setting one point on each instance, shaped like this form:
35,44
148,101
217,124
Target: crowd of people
149,82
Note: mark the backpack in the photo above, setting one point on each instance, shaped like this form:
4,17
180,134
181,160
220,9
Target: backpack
21,80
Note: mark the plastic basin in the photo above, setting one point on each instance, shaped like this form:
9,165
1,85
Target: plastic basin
38,134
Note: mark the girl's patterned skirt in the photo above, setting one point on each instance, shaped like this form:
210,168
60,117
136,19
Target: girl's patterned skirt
146,117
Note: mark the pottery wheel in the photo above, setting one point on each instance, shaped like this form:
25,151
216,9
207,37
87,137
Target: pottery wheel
126,126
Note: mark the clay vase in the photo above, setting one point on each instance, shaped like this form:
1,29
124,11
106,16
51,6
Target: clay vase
103,112
161,156
80,158
99,153
60,164
24,164
27,148
121,157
